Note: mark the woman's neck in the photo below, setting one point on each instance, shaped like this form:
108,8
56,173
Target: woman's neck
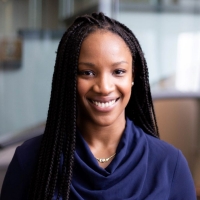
105,135
102,140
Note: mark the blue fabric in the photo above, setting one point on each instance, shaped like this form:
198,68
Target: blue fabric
143,168
18,176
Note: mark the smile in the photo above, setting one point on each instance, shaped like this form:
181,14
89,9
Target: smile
104,104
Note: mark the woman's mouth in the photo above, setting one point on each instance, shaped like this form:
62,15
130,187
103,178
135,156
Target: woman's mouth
104,104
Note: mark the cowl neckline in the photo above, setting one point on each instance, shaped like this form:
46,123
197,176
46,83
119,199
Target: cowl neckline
123,178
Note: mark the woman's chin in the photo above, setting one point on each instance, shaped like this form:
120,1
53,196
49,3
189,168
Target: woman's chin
103,121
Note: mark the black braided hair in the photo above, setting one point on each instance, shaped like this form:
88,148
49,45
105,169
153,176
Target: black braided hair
59,138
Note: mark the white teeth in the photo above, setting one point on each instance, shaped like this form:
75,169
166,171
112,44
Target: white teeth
104,105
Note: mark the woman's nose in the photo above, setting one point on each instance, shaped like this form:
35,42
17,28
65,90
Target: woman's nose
104,85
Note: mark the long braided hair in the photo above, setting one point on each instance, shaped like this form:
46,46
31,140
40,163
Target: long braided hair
58,143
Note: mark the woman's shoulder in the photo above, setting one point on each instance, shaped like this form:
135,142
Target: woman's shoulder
29,149
157,148
160,146
152,140
33,142
20,170
171,161
166,164
26,154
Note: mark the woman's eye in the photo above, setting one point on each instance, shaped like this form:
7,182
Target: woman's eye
86,73
119,72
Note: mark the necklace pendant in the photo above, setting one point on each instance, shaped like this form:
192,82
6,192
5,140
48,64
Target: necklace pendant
102,160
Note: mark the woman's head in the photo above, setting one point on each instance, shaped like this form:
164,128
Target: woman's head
104,79
60,132
139,108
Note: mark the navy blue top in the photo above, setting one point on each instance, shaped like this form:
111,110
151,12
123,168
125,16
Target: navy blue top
144,168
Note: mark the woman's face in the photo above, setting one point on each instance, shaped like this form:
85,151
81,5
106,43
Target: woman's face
104,78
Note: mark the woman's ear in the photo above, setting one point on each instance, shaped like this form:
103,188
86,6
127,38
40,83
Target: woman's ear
133,77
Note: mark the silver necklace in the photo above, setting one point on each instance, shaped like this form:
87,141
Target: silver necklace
103,160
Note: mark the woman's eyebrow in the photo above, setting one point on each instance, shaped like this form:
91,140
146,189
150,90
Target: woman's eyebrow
87,64
120,62
92,65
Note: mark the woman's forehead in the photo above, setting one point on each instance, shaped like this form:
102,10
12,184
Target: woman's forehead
104,40
104,45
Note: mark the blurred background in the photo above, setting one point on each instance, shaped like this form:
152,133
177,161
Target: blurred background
168,31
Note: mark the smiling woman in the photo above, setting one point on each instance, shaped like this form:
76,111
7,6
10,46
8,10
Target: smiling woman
101,137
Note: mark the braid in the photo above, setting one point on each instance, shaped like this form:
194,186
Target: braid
143,111
59,139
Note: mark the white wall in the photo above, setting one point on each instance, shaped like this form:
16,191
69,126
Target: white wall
159,35
25,93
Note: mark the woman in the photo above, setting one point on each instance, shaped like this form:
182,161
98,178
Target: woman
101,137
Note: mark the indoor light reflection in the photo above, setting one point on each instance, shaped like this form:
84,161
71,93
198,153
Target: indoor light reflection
188,62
